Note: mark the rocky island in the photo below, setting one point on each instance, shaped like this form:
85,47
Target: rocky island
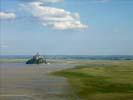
36,59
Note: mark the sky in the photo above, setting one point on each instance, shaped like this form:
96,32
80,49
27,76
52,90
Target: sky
66,27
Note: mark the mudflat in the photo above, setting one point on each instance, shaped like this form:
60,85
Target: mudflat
32,82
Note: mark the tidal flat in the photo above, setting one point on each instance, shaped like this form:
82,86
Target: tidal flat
67,80
19,81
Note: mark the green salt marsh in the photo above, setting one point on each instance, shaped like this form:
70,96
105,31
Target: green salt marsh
101,80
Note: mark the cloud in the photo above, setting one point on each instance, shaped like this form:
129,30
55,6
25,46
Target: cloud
55,18
5,16
50,1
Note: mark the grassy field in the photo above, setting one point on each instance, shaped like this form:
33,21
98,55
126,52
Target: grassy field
102,80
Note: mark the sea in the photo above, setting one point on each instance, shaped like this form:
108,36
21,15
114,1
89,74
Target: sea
73,57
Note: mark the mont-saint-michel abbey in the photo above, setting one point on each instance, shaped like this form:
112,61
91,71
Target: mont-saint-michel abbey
36,59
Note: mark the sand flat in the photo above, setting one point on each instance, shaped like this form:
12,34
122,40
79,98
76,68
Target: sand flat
32,82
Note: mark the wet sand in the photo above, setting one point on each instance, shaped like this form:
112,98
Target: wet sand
32,82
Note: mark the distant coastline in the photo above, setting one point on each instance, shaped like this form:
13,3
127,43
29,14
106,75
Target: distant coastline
73,57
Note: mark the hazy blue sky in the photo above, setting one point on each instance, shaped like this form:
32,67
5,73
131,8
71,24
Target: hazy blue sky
77,27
